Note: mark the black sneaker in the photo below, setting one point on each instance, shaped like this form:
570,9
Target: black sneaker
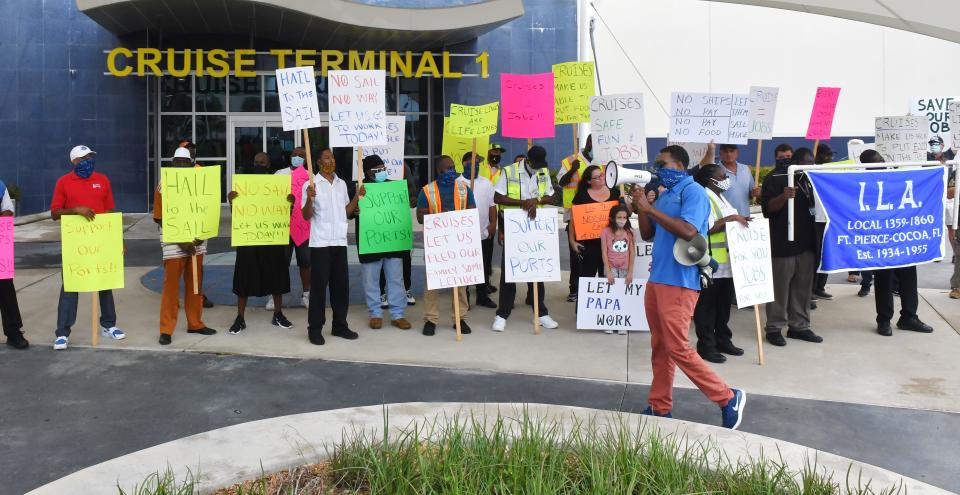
165,339
281,321
729,348
17,341
806,335
429,328
486,303
206,302
203,331
345,333
464,328
776,338
572,297
883,328
822,294
238,326
915,325
713,357
491,289
864,291
318,340
813,304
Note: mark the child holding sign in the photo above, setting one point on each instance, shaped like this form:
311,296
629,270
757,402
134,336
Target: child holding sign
618,249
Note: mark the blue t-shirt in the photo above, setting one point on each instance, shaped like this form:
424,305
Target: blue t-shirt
695,211
446,198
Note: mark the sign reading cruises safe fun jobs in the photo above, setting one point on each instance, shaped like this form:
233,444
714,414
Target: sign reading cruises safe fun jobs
617,124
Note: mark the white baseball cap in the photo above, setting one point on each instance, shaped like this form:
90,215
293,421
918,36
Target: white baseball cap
80,152
181,153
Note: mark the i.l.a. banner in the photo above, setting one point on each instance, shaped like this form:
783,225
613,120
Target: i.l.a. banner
881,218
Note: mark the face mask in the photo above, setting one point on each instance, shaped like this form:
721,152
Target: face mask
722,185
84,169
670,177
447,178
495,159
328,166
783,161
936,148
467,172
588,154
621,222
296,161
380,176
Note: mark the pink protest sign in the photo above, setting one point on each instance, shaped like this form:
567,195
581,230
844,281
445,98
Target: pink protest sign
6,248
299,228
526,105
821,118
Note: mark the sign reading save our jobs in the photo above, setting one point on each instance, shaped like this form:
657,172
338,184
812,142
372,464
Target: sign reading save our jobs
385,222
937,110
260,212
451,249
357,103
526,105
299,108
6,248
901,138
821,116
191,203
474,121
703,117
763,111
390,152
590,219
572,88
92,252
751,261
602,306
617,124
531,248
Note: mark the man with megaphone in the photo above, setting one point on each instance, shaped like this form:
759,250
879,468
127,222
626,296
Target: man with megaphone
681,212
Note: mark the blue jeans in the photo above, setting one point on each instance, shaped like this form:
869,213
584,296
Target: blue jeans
396,294
67,311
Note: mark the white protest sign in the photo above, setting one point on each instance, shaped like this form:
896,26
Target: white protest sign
854,150
392,152
617,124
297,89
643,261
357,107
531,248
901,138
751,261
937,111
954,109
763,110
703,117
601,306
696,151
451,249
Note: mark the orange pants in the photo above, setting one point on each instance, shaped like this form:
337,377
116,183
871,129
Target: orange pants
173,269
669,310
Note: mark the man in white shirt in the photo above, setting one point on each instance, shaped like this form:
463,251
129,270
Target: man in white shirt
483,195
327,206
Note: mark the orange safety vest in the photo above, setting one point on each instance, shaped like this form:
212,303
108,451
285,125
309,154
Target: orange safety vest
432,192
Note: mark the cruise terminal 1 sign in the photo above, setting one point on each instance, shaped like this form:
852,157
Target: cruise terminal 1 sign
122,62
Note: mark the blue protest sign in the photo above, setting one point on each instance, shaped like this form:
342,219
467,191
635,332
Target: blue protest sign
881,218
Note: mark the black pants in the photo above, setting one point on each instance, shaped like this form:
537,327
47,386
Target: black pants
591,263
909,299
712,314
487,246
407,269
819,279
574,267
328,269
9,309
508,292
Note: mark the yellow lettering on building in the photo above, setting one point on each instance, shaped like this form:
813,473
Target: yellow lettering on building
369,61
330,60
404,64
281,57
112,62
427,64
218,58
172,63
148,57
301,60
447,73
242,59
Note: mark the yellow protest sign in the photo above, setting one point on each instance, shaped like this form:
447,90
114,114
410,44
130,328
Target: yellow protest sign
92,252
455,147
261,212
473,121
191,203
573,85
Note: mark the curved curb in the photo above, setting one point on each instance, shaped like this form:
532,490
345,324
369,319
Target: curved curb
227,455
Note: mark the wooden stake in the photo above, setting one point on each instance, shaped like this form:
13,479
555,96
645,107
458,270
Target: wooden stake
359,164
816,144
756,314
456,312
473,163
93,310
576,141
306,144
756,178
536,308
529,143
196,285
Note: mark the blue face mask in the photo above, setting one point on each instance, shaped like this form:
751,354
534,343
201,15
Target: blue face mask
670,177
84,169
380,176
296,161
447,178
467,171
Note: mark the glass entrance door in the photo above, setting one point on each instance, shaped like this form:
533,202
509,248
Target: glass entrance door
252,135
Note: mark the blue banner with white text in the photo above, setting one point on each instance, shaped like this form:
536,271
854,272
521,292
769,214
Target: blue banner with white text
881,218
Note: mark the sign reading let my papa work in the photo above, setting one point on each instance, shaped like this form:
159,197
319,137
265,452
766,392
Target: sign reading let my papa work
385,223
602,306
92,252
881,218
191,203
261,212
531,248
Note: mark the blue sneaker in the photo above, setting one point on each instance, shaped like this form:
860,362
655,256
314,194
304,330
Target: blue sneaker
733,411
650,412
113,333
60,344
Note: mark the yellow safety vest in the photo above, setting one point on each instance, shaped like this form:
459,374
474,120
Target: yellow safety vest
513,182
718,240
570,190
432,192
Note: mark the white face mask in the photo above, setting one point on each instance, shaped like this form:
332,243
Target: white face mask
936,148
722,185
621,223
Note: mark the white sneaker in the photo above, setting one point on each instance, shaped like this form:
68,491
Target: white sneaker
547,322
499,324
61,343
410,300
621,332
269,306
113,333
383,301
608,332
305,299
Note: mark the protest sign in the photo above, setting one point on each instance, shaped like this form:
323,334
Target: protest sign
854,150
6,248
357,107
643,262
763,110
92,252
936,109
954,109
455,147
297,89
703,117
191,203
531,248
385,222
901,139
527,106
617,124
590,219
696,151
601,306
572,88
821,117
473,121
260,212
451,249
881,218
299,227
751,261
390,152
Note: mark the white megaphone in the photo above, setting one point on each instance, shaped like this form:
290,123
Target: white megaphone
696,251
618,174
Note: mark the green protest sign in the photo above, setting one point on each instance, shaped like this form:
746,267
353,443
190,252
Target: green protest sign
385,223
